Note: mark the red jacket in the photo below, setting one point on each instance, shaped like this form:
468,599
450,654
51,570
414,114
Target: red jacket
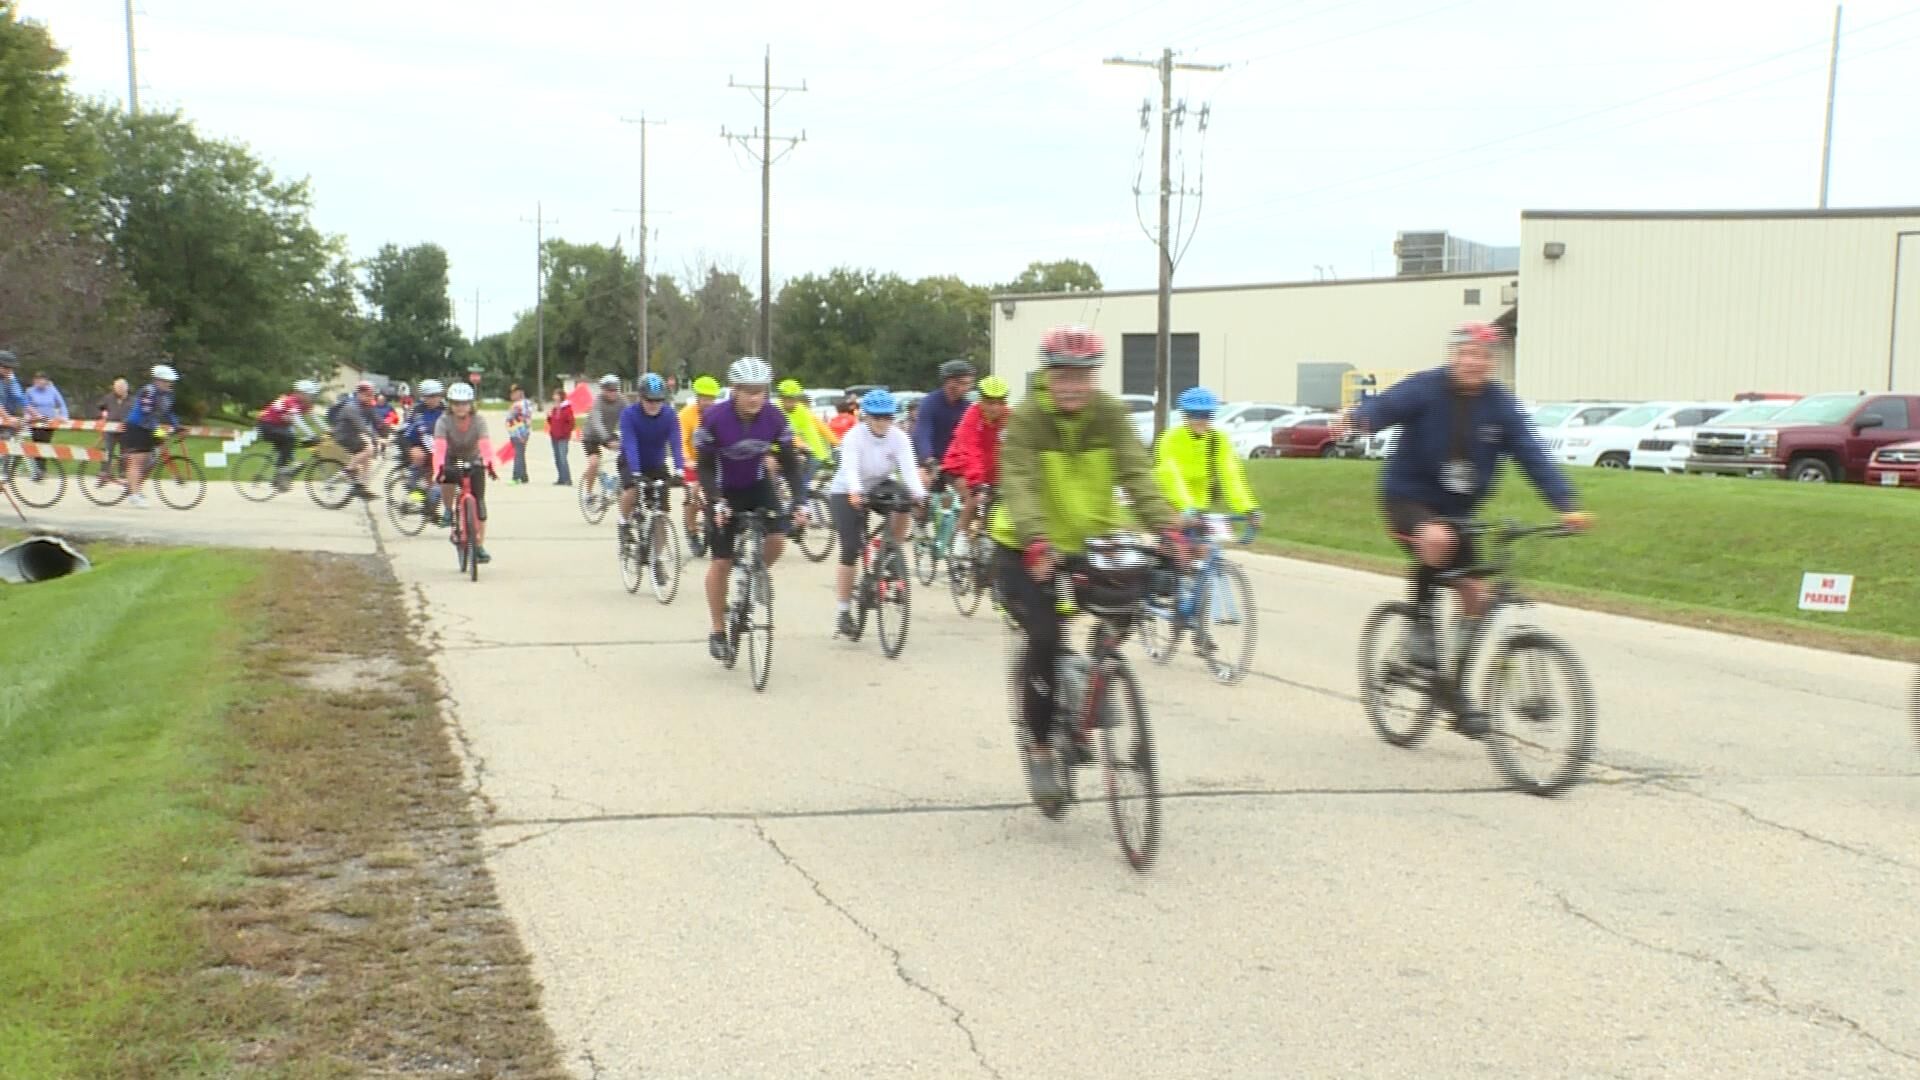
560,421
974,453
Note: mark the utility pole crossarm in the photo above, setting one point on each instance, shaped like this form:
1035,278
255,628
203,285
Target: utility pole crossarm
764,134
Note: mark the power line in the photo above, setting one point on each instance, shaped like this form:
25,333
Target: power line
765,97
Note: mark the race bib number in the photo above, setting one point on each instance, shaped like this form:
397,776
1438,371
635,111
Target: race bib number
1457,477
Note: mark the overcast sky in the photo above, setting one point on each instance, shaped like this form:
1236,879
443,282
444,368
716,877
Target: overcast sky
973,137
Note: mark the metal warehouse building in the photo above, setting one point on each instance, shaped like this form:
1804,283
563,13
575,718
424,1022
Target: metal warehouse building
1639,305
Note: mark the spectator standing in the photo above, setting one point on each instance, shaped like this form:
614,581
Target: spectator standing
519,430
560,430
44,403
112,407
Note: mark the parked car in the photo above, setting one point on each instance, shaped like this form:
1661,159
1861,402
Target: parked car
1307,436
1610,443
1254,415
1381,443
1553,420
823,403
1826,437
1668,450
1895,465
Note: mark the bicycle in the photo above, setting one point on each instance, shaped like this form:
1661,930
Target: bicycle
410,500
178,480
750,607
883,583
36,482
815,540
1097,698
1521,648
256,474
594,503
650,546
933,534
1211,593
466,519
971,577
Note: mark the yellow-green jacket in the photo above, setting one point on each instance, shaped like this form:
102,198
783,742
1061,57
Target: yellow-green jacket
1058,472
811,433
1182,470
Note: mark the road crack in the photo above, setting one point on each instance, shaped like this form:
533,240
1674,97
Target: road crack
1804,834
900,971
1753,989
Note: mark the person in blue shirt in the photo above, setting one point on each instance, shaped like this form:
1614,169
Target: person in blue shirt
13,402
935,418
649,433
151,406
1456,425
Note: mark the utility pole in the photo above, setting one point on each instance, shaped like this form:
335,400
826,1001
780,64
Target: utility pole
133,71
1826,141
540,224
476,316
764,94
1163,343
644,354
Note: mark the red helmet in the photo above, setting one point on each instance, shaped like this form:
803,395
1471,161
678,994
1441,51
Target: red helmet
366,387
1476,333
1071,346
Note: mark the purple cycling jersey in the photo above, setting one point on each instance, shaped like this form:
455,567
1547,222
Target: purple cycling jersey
741,445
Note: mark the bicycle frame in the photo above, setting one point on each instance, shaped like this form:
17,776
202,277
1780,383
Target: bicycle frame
1471,632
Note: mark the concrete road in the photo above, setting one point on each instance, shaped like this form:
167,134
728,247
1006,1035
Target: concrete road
839,877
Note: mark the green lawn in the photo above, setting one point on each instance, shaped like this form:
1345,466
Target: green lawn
1684,542
111,747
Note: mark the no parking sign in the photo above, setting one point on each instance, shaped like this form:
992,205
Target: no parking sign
1826,592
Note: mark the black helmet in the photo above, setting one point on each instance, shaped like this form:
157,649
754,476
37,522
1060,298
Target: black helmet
955,369
7,359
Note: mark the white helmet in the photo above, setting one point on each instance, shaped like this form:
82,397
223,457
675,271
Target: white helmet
749,371
610,381
307,387
431,388
165,373
460,392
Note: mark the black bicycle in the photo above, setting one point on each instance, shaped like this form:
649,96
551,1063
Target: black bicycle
650,545
750,597
1098,711
1533,686
883,588
815,539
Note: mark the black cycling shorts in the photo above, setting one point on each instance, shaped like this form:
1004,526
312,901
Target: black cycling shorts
630,480
350,439
448,476
591,445
1404,518
761,496
136,440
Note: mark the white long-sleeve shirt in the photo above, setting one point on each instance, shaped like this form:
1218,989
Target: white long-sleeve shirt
866,459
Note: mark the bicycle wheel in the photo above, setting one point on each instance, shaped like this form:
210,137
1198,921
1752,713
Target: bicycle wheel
1228,624
894,602
926,556
966,580
632,574
1129,763
328,484
104,494
759,629
1535,688
470,529
180,482
663,558
738,612
816,540
408,514
1160,625
253,475
38,488
593,501
1395,693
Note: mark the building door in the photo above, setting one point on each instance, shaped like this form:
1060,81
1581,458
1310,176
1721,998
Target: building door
1136,362
1903,346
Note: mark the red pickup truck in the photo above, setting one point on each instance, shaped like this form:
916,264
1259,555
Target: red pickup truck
1821,438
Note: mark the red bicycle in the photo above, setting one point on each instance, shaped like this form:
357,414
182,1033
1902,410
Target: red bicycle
466,518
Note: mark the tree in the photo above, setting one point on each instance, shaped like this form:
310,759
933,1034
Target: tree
707,329
857,326
252,293
1066,275
39,138
412,335
64,304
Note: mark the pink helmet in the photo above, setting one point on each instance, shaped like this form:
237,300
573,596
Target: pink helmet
1071,346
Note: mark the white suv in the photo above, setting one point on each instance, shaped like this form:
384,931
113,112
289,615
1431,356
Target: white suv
1553,420
1667,449
1610,445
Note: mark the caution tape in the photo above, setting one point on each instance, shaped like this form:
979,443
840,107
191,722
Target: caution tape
117,426
52,451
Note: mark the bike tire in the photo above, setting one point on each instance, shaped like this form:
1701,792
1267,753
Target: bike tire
110,493
181,483
252,475
406,517
1505,737
1159,627
1127,753
737,614
895,595
593,506
1393,672
966,580
926,556
760,627
328,484
632,574
470,516
42,493
663,558
816,540
1231,580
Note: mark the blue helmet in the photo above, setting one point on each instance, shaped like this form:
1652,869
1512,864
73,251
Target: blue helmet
653,388
1198,400
878,403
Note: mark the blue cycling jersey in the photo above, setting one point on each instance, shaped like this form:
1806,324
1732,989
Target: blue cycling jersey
151,406
418,430
645,441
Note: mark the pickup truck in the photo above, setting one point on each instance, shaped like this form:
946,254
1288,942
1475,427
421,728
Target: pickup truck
1822,438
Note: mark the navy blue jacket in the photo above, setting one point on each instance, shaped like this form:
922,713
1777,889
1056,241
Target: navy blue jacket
934,423
1422,405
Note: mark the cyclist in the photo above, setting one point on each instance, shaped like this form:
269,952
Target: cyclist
602,427
876,460
358,429
1068,447
461,435
13,400
152,405
843,418
974,454
1455,426
731,447
808,432
416,438
283,421
649,432
934,418
1197,467
706,389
